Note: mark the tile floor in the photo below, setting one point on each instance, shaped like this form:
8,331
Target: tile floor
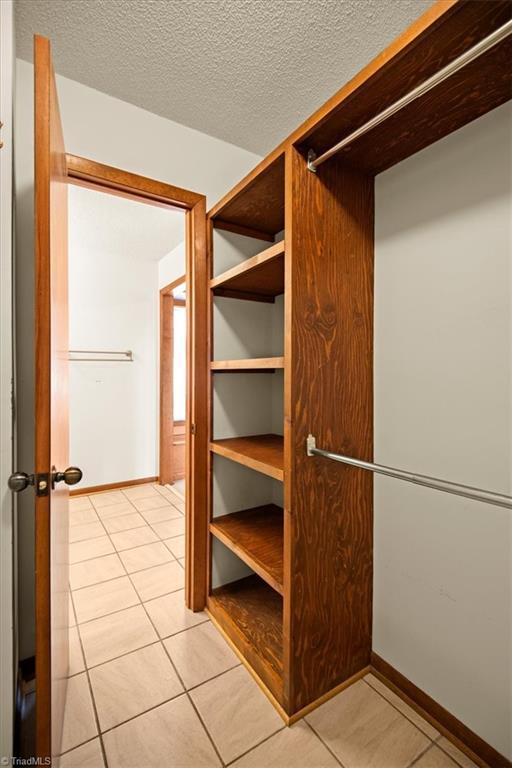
154,684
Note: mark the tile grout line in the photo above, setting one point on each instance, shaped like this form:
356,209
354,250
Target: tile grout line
324,743
328,748
403,713
178,676
91,694
251,749
421,754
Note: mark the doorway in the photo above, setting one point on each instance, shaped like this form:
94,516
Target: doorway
173,385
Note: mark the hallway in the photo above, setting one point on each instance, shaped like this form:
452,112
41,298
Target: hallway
153,684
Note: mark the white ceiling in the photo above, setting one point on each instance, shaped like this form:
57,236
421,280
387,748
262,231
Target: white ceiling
246,71
108,224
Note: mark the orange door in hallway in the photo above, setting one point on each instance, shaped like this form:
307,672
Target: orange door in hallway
51,407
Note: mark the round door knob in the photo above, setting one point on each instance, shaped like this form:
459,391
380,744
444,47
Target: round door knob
71,476
18,481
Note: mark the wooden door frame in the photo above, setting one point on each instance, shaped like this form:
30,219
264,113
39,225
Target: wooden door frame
166,418
105,178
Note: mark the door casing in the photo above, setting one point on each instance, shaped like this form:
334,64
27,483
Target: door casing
95,175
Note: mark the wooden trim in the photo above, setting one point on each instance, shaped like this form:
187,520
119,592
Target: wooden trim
117,181
459,734
252,364
168,289
108,179
112,486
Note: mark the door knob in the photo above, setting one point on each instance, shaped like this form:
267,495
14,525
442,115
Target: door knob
18,481
71,476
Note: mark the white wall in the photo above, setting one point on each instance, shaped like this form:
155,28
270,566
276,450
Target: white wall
6,508
443,407
114,132
172,266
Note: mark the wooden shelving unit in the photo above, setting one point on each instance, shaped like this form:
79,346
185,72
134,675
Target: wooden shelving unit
264,453
251,614
303,621
256,536
260,278
255,364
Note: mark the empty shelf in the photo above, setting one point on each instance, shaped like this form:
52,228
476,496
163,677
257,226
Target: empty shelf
256,536
260,278
255,364
251,614
264,453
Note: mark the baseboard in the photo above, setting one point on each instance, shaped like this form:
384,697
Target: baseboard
459,734
112,486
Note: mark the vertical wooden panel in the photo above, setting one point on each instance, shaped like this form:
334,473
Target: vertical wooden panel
198,326
166,387
51,405
329,392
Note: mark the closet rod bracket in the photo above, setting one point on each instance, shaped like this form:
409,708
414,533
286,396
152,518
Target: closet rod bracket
311,161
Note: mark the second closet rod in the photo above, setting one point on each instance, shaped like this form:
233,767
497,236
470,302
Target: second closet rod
472,53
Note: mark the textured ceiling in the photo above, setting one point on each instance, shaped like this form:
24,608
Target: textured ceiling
246,71
104,223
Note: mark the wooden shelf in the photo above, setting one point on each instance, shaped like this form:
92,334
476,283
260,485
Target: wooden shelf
260,278
250,365
256,536
255,207
251,615
264,453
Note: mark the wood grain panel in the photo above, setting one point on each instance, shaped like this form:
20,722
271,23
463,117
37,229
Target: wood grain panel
260,278
258,205
473,91
328,391
51,406
256,536
264,453
165,454
250,612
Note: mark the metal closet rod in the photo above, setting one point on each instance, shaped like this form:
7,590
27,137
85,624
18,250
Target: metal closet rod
470,55
477,494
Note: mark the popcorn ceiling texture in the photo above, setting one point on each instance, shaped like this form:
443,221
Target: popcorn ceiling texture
245,71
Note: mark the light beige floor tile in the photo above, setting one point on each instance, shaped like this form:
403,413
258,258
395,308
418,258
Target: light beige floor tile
404,708
295,747
153,502
140,492
132,684
199,654
87,550
106,499
170,528
435,758
94,571
106,638
169,614
181,561
79,724
365,731
107,597
236,712
145,557
87,756
135,537
176,546
124,522
171,495
79,502
114,510
76,659
85,531
170,735
80,516
159,580
71,613
166,512
459,757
